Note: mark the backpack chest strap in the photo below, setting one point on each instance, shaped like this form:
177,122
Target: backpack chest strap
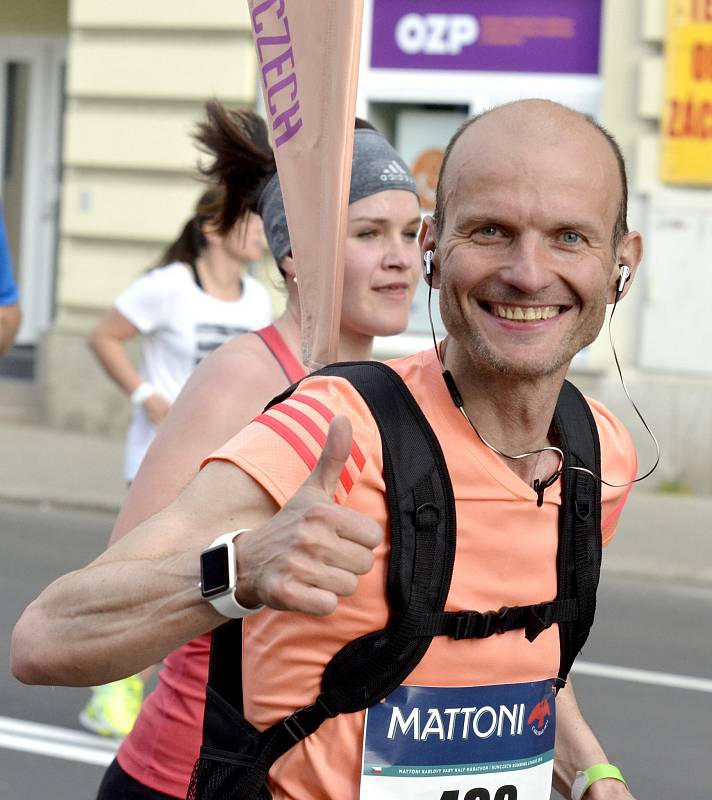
477,625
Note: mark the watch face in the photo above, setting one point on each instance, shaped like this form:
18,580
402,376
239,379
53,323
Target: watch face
214,571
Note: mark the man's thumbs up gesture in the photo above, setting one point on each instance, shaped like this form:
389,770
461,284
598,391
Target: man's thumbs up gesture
313,550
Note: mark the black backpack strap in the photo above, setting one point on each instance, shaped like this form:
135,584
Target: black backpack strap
579,554
225,670
421,509
477,625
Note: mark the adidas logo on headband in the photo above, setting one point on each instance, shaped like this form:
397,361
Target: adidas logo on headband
394,173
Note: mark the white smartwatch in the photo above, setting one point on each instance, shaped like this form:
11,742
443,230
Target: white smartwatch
217,577
583,780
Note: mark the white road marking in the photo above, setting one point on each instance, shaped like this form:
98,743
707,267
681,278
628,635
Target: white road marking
73,745
643,676
55,742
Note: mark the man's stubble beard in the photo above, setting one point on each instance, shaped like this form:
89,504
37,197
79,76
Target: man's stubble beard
485,360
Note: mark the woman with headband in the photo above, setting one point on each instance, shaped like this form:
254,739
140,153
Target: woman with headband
194,299
232,386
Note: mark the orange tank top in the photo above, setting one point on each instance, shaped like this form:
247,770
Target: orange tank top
505,556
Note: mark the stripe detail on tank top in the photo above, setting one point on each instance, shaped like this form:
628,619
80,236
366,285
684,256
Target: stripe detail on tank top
328,415
301,449
291,438
317,434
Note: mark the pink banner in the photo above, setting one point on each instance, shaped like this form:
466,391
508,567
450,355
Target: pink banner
307,54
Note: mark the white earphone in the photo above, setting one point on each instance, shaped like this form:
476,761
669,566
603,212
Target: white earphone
428,266
624,276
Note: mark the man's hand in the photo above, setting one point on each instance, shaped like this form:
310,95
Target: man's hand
313,550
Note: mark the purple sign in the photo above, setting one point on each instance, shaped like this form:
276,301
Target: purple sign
487,35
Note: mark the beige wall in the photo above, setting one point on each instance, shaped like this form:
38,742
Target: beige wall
678,406
33,16
215,15
138,74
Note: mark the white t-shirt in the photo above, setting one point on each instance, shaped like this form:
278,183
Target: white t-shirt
180,324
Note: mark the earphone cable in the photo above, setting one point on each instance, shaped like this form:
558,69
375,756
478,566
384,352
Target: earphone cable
457,400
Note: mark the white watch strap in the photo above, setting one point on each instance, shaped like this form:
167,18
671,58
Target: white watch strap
587,777
141,393
226,603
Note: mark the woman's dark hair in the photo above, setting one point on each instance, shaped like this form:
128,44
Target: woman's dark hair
191,241
363,124
241,161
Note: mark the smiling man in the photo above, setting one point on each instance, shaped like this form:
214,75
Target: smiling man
526,246
541,189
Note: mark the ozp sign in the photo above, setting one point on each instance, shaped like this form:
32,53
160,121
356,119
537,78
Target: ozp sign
436,34
552,36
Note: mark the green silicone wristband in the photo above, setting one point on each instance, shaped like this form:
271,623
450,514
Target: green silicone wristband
599,771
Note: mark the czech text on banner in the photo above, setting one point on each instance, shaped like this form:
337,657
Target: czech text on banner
686,156
307,57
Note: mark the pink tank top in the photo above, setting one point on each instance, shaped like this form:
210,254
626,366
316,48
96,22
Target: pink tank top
163,746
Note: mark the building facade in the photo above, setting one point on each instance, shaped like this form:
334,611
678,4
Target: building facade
99,169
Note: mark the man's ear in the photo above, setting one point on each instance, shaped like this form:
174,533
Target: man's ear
630,254
427,239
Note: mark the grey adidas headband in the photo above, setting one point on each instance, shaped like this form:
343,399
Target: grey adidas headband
376,167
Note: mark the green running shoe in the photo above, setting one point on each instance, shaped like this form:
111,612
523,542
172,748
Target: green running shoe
113,708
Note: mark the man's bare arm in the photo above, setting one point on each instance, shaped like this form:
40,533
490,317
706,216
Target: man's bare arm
140,599
577,749
64,620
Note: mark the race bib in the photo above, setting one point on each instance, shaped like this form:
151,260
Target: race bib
464,743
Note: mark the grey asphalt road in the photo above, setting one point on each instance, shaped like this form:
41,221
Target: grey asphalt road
658,734
37,547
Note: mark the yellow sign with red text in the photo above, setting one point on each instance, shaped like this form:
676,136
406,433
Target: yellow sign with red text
687,116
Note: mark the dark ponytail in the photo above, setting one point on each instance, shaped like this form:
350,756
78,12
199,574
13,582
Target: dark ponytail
241,161
191,241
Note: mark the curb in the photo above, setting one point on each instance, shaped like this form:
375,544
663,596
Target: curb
657,571
46,501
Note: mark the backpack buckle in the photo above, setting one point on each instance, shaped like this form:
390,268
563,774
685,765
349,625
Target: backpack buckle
500,619
465,625
474,625
321,702
306,720
540,618
294,728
